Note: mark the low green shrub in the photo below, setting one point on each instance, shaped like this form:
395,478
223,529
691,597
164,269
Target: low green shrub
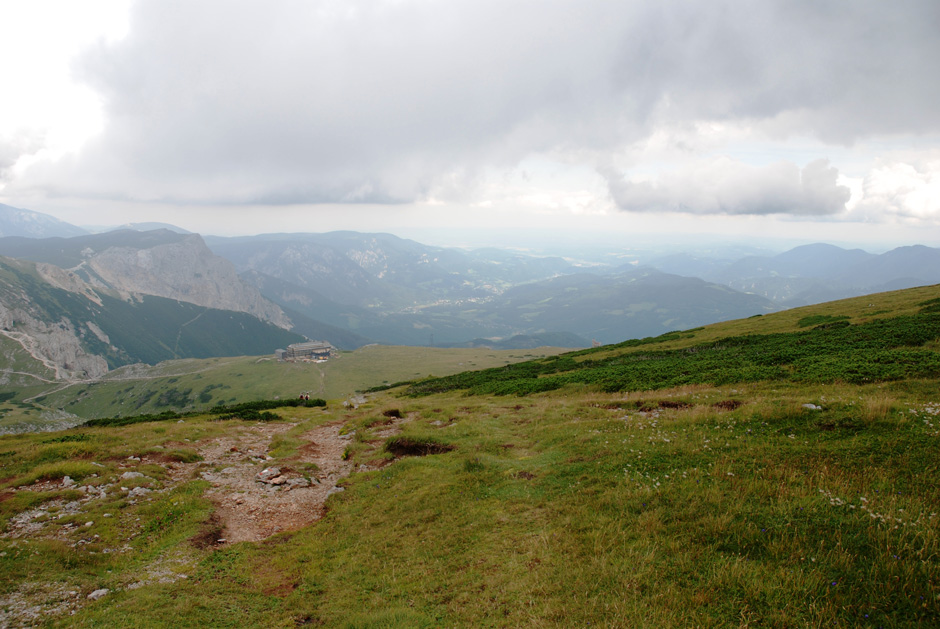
249,415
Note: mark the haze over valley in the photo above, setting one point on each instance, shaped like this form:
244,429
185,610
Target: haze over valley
352,289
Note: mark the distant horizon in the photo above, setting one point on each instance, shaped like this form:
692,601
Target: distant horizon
547,242
548,245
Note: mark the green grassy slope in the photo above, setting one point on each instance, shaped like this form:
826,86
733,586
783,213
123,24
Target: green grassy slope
193,384
778,502
817,348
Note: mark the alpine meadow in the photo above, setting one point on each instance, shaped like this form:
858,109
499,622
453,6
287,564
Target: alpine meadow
776,470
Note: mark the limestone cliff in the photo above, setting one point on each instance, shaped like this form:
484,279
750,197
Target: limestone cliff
185,270
54,344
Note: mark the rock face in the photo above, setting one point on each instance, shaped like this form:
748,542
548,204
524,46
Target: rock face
72,319
56,345
185,270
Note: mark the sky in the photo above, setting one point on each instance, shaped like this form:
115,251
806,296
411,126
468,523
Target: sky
479,122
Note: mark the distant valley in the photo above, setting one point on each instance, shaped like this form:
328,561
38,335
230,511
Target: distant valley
401,292
75,306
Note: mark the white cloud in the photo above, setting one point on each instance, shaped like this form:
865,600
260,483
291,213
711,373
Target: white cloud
41,100
724,186
902,190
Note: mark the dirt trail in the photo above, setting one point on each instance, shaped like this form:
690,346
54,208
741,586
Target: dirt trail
255,499
253,502
28,345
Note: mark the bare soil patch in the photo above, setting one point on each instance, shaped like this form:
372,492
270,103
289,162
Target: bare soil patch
209,535
410,447
252,503
254,499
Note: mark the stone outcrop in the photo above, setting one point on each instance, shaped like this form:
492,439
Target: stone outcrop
56,345
185,270
65,337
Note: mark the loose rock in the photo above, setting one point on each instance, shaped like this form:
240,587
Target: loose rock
268,473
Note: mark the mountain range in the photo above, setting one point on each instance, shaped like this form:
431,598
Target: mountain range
18,222
399,291
83,303
816,273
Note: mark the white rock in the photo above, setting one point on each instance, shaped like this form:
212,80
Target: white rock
67,481
94,596
130,475
268,473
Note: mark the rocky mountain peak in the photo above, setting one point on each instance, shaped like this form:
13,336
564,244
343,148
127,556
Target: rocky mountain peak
183,269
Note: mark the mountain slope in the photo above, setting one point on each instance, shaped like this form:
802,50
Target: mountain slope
824,349
752,499
161,263
914,266
819,272
381,269
640,303
28,224
608,308
80,332
445,297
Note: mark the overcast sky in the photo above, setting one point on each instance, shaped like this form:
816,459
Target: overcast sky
814,120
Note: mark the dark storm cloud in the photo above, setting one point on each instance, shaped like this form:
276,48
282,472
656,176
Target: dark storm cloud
301,101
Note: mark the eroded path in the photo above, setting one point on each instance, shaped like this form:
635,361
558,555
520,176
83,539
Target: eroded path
255,495
256,498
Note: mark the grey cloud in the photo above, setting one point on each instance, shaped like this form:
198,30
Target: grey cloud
723,186
248,101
